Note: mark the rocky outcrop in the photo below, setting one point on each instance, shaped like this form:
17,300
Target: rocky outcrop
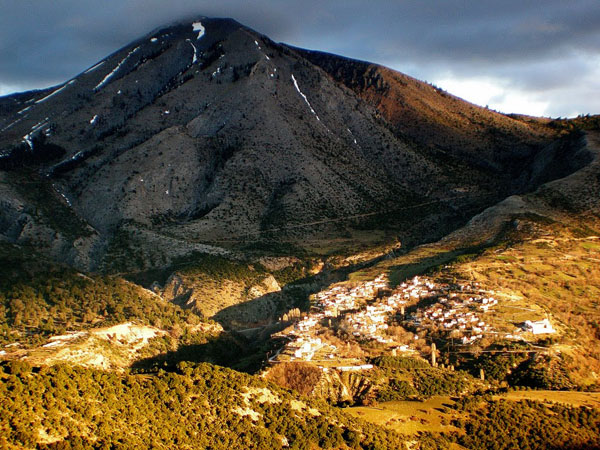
344,387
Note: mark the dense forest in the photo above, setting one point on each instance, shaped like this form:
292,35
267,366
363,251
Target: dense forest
196,407
527,424
402,378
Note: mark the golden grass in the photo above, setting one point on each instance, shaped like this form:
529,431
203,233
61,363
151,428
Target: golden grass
410,417
435,414
406,266
574,398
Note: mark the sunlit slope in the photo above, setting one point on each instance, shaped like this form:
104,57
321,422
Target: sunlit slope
538,255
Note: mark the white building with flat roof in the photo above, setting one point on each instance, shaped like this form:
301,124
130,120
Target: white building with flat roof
539,327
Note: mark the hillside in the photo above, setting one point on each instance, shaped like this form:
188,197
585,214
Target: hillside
536,254
437,121
199,407
183,147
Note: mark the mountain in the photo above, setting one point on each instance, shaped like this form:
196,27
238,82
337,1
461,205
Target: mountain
209,137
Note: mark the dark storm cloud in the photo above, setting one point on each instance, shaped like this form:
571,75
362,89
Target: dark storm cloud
539,46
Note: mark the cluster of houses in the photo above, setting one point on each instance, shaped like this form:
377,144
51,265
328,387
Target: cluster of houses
457,310
348,302
417,288
342,298
305,347
369,322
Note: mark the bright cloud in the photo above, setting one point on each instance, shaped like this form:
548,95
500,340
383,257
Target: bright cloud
495,94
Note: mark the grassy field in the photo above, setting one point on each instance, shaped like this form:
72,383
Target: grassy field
411,417
435,415
573,398
408,265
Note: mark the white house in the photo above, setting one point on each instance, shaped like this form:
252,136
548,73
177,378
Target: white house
539,327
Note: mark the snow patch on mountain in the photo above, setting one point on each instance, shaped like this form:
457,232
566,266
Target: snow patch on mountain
304,97
111,74
13,123
54,92
195,57
94,67
28,138
198,27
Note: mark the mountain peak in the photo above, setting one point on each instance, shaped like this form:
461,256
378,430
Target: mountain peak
194,25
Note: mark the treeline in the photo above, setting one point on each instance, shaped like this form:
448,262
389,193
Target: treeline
199,407
218,268
402,378
52,303
518,369
399,363
526,425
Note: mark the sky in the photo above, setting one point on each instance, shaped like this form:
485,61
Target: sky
516,56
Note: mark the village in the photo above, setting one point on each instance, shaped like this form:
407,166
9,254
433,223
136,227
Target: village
365,311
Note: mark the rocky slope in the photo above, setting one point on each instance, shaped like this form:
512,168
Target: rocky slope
207,134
